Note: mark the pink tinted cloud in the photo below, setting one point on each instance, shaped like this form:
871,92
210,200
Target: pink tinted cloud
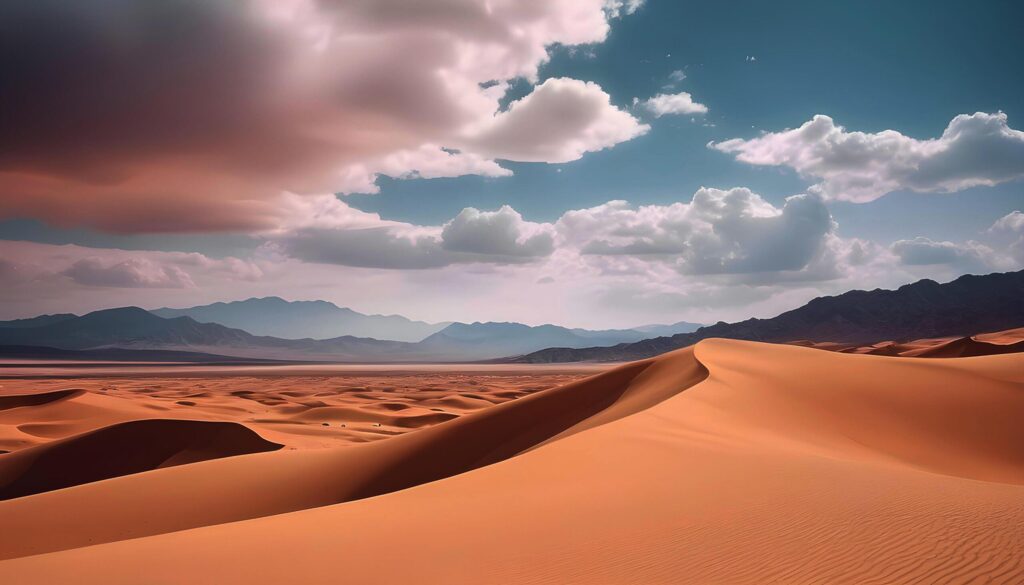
196,116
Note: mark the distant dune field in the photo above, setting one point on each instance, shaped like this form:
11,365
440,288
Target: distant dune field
726,462
999,342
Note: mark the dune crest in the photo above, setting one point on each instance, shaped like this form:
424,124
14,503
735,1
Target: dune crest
965,347
122,449
995,343
36,399
731,462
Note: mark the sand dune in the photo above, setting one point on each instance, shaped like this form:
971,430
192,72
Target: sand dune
20,400
299,407
295,480
123,449
1009,336
730,462
964,347
996,343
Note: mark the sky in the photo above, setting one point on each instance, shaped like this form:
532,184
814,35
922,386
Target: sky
591,163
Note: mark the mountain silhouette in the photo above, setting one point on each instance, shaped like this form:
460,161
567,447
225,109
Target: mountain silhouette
970,304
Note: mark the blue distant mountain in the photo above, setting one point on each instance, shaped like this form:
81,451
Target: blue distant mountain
132,328
273,316
37,321
305,319
504,339
668,330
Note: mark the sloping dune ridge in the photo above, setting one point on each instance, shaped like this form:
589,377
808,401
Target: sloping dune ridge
726,462
123,449
996,343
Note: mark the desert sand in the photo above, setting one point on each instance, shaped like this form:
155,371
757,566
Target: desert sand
999,342
726,462
294,406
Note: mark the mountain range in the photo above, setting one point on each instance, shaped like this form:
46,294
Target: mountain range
138,329
925,309
277,317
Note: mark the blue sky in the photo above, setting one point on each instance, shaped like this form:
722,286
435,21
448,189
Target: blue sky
759,68
909,66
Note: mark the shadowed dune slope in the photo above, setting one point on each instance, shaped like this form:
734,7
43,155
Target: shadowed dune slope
285,481
776,464
21,400
121,449
996,343
965,347
1007,336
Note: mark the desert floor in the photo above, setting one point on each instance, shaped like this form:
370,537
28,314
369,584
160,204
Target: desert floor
294,406
726,462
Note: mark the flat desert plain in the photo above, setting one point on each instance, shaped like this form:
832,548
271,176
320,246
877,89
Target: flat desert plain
725,462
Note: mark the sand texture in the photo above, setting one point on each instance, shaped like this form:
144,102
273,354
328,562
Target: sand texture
727,462
996,343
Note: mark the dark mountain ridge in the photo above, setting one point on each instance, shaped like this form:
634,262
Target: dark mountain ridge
924,309
37,321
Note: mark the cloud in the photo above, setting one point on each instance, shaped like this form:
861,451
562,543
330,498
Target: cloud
336,233
559,121
1001,247
1012,222
617,8
975,150
380,247
12,272
731,231
185,116
678,103
501,233
133,273
429,161
922,251
62,266
1008,233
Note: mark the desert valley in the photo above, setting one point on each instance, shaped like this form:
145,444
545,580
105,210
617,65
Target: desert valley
550,292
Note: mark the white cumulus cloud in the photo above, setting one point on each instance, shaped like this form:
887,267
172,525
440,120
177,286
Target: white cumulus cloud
559,121
975,150
731,231
675,103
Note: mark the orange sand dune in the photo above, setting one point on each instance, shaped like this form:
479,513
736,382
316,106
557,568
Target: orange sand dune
294,480
1000,342
1006,337
730,462
122,449
20,400
300,407
963,347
